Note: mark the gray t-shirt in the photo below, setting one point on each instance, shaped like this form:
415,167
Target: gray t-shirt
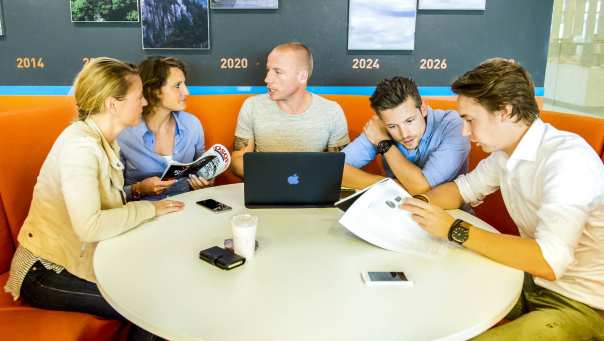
322,125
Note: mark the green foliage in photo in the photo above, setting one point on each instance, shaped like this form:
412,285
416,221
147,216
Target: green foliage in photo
104,10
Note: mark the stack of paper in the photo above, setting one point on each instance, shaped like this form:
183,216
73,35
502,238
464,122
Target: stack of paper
375,216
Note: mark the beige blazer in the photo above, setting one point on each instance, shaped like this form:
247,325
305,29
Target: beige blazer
79,200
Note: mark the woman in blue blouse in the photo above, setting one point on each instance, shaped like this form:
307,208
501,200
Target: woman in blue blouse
165,134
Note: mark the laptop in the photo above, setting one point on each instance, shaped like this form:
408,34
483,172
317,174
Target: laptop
292,179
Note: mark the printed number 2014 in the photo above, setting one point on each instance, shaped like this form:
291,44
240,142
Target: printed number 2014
30,63
433,64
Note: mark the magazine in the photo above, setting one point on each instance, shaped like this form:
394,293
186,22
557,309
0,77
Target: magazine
373,214
213,162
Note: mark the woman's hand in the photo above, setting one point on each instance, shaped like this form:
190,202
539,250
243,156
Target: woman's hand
154,186
167,206
431,218
197,182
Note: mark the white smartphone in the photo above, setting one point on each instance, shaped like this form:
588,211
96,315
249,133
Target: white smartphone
383,278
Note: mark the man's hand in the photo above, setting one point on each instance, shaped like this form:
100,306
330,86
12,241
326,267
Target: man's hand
431,218
197,182
375,130
154,185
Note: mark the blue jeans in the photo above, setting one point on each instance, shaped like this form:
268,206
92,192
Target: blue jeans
47,289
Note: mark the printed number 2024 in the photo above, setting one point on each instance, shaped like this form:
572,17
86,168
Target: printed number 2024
365,63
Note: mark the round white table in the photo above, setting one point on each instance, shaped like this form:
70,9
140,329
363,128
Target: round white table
303,284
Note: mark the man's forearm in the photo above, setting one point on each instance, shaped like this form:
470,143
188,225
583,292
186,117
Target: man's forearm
519,253
237,164
357,178
445,196
240,147
409,175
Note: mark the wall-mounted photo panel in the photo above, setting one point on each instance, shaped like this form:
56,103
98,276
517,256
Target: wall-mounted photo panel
244,4
453,4
381,24
104,10
175,24
1,21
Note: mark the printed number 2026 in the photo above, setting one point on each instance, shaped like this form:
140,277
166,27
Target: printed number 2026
433,64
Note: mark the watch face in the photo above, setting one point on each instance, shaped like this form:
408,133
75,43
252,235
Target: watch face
460,234
383,146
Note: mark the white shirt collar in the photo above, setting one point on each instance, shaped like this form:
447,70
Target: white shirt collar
528,147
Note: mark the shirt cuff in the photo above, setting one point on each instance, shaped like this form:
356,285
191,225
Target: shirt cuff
465,190
557,255
128,190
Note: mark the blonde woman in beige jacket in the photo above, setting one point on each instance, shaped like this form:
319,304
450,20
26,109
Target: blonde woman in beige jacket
78,199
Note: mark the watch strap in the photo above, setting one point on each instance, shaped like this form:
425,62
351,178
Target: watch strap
384,145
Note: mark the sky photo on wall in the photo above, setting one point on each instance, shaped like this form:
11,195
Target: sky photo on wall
453,4
381,24
175,24
104,10
244,4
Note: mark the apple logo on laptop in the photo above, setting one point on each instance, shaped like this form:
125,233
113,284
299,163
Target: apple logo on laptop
293,179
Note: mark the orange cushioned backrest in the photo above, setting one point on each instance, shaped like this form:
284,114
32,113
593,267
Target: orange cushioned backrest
7,247
590,128
218,115
25,139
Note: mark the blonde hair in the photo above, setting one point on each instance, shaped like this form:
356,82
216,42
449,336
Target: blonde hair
98,80
299,48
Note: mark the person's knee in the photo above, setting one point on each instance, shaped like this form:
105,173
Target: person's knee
537,325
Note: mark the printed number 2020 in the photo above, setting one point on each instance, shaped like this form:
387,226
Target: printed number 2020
233,63
433,64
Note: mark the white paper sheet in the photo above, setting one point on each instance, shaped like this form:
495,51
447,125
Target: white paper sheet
377,218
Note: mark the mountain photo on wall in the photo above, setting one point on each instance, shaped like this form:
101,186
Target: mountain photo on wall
104,10
453,4
381,24
175,24
244,4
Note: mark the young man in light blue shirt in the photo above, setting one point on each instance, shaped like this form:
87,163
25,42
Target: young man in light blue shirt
429,148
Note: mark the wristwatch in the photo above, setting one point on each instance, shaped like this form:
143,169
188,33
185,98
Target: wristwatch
135,191
384,145
459,231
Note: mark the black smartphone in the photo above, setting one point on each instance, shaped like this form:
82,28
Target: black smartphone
213,205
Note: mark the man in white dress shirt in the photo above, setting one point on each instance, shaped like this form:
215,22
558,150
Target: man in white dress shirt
552,183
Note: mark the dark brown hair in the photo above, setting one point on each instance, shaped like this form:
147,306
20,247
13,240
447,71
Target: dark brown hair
154,73
498,82
392,92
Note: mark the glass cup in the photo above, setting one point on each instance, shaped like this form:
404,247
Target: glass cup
244,234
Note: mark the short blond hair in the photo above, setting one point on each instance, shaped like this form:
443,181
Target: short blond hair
98,80
299,48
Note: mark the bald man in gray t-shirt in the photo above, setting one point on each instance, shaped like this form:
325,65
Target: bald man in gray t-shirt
321,127
288,117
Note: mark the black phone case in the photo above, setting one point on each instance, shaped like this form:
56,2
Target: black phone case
221,258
